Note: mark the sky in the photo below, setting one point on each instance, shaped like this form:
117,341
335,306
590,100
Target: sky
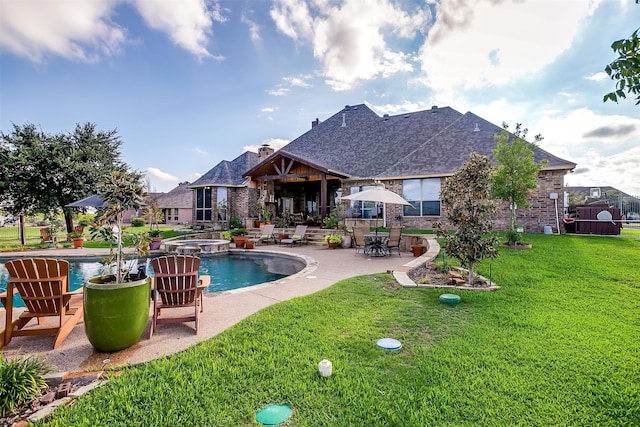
189,83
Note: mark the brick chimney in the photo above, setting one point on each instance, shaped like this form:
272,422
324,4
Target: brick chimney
264,151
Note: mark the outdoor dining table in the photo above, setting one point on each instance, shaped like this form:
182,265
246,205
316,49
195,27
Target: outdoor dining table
375,244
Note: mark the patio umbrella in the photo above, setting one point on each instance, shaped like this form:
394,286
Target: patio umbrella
379,195
89,202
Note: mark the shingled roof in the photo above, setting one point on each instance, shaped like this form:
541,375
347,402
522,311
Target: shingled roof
435,142
228,173
180,197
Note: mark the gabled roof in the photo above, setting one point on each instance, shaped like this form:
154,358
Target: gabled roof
446,151
180,197
360,144
228,173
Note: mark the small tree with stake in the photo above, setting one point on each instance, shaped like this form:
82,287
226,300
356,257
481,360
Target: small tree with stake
468,207
517,173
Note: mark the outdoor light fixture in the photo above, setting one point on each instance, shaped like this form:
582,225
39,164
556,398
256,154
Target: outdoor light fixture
325,368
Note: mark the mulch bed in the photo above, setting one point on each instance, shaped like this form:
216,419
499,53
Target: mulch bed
430,274
50,394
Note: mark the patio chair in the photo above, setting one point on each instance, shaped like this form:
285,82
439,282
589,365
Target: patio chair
43,285
47,237
395,235
176,285
268,233
358,239
299,236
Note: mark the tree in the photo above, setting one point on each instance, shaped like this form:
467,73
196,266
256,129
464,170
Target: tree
468,207
42,173
517,172
625,69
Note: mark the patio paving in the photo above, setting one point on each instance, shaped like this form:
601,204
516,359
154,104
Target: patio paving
221,310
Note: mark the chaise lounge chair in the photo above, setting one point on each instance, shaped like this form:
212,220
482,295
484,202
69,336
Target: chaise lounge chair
268,233
43,285
176,285
299,236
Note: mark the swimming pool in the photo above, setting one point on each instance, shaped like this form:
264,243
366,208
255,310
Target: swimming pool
229,271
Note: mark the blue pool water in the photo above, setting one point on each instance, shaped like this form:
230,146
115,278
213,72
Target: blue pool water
227,272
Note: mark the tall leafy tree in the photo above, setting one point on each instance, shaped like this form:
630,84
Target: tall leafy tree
469,208
42,173
625,69
517,172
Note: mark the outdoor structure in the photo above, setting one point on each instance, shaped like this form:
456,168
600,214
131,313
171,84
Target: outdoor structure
605,195
355,150
177,204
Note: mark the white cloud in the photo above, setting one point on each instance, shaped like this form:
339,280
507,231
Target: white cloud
598,77
267,110
187,22
74,30
393,109
199,151
281,91
85,30
298,81
161,175
489,43
254,29
619,170
350,38
275,143
581,129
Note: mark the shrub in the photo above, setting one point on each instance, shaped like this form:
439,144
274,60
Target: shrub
137,222
332,238
235,222
21,380
331,222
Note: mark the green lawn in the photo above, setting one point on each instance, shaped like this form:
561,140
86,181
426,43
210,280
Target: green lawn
558,345
10,237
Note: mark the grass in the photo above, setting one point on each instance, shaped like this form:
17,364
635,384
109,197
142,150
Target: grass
557,345
10,238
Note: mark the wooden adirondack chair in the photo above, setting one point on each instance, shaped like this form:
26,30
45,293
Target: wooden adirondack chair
47,237
176,285
43,285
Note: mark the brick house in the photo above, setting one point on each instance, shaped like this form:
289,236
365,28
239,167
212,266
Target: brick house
224,192
177,204
410,154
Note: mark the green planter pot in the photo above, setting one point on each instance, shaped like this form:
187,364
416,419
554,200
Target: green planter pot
115,316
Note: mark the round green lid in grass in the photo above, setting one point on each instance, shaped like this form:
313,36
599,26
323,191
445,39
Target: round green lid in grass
273,415
449,299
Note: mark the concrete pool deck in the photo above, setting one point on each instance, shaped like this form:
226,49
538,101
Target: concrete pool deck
221,310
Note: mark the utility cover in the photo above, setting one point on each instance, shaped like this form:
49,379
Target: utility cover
390,344
273,415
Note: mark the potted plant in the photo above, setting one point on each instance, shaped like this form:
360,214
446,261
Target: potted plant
333,240
239,236
267,216
116,304
77,239
156,239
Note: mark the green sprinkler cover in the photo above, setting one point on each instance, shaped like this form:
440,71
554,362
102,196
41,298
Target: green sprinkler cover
449,299
273,415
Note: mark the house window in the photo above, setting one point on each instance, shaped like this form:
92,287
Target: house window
363,209
424,196
204,210
221,203
175,214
